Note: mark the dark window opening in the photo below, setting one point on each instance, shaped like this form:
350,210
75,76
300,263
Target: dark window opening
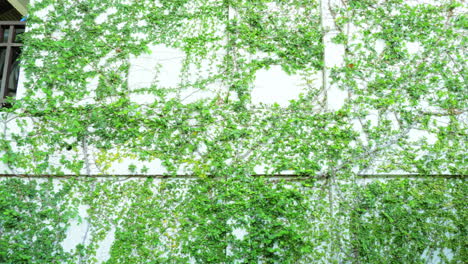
10,50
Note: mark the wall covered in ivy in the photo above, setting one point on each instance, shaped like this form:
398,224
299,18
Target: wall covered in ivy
232,221
235,131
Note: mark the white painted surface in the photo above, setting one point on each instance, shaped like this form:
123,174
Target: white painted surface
276,86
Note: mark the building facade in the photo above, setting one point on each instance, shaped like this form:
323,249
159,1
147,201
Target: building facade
211,131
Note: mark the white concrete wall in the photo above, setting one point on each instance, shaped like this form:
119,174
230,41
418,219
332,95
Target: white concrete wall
163,67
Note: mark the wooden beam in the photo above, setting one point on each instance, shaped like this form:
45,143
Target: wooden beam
20,5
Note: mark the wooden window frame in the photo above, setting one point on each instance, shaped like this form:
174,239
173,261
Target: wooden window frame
9,45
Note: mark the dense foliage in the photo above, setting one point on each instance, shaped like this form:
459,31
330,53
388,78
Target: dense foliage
403,69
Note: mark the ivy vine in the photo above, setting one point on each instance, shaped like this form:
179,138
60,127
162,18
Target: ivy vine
404,72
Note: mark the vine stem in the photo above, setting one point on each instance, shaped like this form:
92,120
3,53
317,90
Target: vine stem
84,145
324,103
323,6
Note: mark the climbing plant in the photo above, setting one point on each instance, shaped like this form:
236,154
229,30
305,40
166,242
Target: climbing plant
415,221
33,221
242,182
